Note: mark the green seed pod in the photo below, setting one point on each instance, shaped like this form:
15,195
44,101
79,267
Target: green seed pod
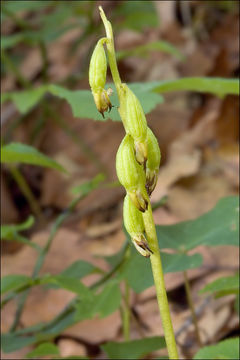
130,174
135,122
133,223
153,162
97,78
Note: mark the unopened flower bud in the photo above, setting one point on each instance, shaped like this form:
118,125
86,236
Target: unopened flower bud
153,162
133,222
135,122
141,150
97,78
138,199
130,174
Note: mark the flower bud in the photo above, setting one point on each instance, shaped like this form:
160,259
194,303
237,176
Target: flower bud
135,122
133,223
97,78
130,174
153,162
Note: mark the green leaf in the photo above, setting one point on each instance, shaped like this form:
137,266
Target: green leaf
17,152
17,6
13,282
11,232
81,101
68,283
78,269
229,284
138,269
25,100
11,40
11,342
141,50
137,15
43,350
83,106
88,186
9,229
102,304
73,357
108,300
134,349
237,304
219,226
217,86
226,349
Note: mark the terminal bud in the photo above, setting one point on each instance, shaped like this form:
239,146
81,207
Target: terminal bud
97,78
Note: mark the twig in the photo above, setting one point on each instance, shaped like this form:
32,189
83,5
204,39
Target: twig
191,306
26,190
42,256
126,313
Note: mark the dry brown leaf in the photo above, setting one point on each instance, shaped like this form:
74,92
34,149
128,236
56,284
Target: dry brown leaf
96,330
70,347
184,156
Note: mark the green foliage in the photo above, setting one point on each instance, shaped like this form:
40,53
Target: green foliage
10,41
82,104
138,270
88,186
14,282
17,6
137,16
237,304
143,50
11,342
45,29
44,349
223,286
226,349
68,283
134,349
102,304
216,86
25,100
17,152
219,226
81,101
79,269
11,232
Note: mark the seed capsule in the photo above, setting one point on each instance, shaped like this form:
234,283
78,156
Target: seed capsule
135,122
130,174
134,225
153,162
97,78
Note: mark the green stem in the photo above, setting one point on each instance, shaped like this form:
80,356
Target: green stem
126,313
43,51
157,271
26,190
12,68
191,306
41,258
111,51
